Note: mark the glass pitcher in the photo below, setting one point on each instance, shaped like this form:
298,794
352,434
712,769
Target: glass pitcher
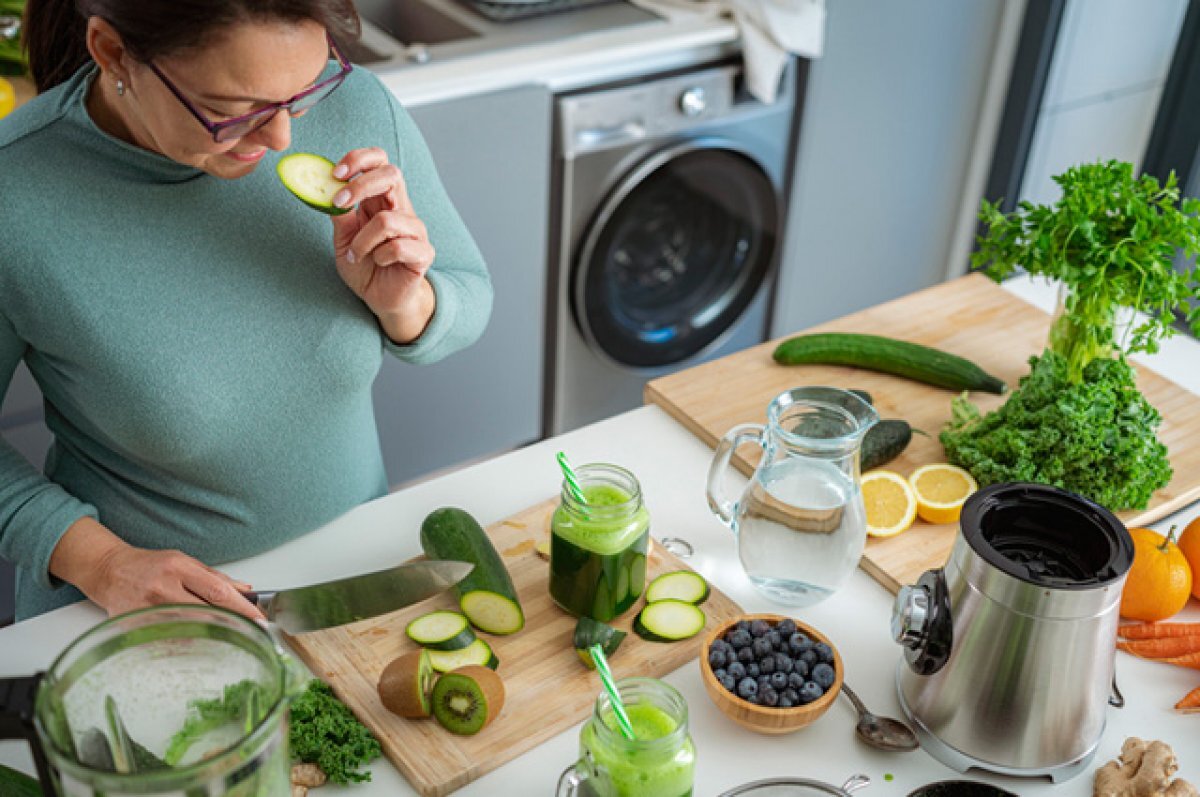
800,522
170,700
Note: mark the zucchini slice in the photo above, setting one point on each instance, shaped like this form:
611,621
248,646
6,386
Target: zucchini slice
590,632
442,630
669,621
478,652
487,596
310,178
680,585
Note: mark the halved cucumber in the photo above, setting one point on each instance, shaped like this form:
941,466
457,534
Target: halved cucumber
478,652
681,585
310,178
669,621
442,630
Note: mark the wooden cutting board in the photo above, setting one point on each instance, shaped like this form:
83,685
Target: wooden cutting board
970,316
548,690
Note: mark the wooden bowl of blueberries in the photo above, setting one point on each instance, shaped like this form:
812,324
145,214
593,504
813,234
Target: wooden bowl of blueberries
769,673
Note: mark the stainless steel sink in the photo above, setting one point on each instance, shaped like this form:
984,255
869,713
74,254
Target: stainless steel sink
406,33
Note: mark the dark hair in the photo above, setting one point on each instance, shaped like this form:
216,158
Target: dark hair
55,29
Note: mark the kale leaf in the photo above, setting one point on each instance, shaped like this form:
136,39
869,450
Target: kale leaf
326,733
240,702
1095,437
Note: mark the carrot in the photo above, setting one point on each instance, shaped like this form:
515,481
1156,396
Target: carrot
1190,703
1164,648
1191,660
1157,630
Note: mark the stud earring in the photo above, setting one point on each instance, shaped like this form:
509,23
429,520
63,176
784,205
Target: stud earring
120,88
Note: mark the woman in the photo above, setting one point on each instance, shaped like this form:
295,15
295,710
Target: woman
205,342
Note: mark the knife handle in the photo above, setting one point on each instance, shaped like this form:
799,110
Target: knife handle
262,600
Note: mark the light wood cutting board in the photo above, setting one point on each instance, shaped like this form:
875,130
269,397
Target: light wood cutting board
970,316
548,690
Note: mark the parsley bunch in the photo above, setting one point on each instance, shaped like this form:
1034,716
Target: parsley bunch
1095,437
1111,240
326,733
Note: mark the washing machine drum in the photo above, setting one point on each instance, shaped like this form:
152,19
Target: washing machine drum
675,255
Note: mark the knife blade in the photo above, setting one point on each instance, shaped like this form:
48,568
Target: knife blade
345,600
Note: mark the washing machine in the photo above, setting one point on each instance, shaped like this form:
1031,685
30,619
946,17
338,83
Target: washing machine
668,226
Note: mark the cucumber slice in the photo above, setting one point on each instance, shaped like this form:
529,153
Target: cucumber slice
478,652
590,632
443,630
680,585
310,178
669,621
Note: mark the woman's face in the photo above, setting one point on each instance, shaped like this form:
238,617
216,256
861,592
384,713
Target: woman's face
254,64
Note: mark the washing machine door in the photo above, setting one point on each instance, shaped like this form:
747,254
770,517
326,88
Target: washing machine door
676,254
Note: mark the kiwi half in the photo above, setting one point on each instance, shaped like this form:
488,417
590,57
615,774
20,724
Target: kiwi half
405,684
467,699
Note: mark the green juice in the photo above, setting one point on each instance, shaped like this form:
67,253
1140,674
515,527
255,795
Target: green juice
638,769
598,553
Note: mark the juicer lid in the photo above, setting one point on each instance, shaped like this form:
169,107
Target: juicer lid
1047,536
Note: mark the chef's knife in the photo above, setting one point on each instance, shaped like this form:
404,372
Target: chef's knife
358,597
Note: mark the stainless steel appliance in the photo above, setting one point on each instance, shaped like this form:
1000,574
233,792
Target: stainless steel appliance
669,203
1009,648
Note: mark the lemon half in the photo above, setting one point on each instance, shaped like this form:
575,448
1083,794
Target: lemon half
941,489
890,503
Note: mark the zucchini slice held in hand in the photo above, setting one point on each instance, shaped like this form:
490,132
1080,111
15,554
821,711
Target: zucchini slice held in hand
310,178
487,596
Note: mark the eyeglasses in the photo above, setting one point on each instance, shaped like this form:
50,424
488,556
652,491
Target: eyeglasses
246,124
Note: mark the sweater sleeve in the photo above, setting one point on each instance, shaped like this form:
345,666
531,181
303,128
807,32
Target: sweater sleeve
34,511
459,276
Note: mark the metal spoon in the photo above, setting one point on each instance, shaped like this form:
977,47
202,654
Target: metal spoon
883,733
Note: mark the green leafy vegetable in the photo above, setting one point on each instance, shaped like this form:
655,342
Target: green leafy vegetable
1111,240
1095,437
324,732
239,703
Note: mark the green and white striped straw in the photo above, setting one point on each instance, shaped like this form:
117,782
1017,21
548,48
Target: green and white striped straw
571,479
614,697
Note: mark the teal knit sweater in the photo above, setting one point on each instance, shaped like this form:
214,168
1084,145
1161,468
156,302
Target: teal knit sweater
207,375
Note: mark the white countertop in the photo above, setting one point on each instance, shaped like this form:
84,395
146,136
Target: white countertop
672,465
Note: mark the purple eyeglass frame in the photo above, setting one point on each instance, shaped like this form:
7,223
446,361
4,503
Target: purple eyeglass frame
258,118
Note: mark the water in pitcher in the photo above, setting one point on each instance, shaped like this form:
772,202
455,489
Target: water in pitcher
801,530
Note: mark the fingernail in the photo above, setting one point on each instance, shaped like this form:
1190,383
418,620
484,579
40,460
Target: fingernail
341,171
350,258
341,197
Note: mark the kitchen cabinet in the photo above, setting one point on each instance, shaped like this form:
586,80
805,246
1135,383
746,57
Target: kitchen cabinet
492,152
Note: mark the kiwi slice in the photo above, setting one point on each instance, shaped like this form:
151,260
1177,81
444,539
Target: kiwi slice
467,699
405,684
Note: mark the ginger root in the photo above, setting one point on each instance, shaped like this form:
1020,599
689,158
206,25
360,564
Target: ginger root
305,777
1144,770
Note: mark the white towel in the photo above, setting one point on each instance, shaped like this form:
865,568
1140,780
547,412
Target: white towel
770,30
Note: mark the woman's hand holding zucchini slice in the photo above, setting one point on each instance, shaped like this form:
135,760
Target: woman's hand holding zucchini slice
382,247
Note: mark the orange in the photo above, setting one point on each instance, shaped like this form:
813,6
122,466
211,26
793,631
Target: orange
889,501
1189,543
941,490
1160,581
8,98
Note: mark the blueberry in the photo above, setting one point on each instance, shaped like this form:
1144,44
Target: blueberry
759,628
720,671
752,670
763,682
740,639
824,652
779,681
761,648
786,702
798,643
810,691
823,675
748,688
768,697
786,628
728,681
717,658
724,647
795,679
746,655
742,625
737,670
784,663
802,668
790,694
774,638
766,665
809,657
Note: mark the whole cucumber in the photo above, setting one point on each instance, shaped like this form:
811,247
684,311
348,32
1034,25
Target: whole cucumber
888,355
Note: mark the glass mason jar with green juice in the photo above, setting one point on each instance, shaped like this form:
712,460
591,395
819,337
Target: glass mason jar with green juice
659,761
598,546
